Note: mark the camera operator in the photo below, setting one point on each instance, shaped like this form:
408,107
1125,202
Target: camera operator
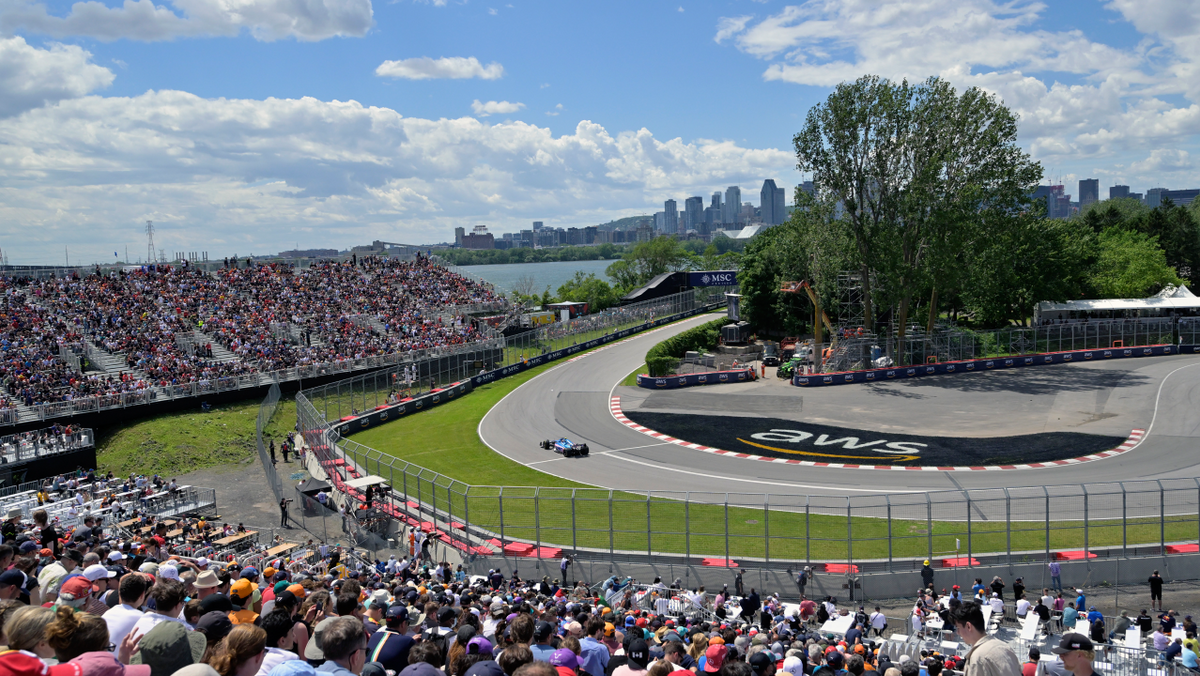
283,515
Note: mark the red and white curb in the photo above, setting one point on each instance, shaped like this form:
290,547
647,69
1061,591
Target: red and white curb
1135,438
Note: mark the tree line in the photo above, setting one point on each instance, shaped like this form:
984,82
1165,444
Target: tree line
923,194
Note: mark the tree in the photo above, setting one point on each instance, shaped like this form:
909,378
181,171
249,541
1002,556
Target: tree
1130,264
588,289
647,261
914,170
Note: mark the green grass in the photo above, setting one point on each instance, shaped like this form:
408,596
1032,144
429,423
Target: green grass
177,443
545,508
631,379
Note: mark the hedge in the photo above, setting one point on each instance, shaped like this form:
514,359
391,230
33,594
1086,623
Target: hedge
661,358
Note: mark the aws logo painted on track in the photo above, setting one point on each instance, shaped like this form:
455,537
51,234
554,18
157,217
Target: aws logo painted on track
894,451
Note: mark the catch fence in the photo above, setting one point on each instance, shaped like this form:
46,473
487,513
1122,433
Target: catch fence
877,533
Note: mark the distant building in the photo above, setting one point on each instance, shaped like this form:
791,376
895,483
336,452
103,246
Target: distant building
538,225
574,237
1182,197
589,234
477,240
1154,197
645,232
1058,203
458,236
309,253
772,203
660,221
731,212
671,221
1118,192
1089,192
693,214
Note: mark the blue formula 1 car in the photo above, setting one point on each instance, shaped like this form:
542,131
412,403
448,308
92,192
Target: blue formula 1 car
565,446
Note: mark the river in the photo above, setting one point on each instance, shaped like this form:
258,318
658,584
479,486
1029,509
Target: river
552,275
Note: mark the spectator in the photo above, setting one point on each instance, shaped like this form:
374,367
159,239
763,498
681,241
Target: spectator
987,656
242,652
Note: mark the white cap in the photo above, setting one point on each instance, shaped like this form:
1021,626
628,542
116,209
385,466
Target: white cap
168,572
202,562
97,572
116,556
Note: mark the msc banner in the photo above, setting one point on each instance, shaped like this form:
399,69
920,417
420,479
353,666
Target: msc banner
713,278
385,412
967,366
690,379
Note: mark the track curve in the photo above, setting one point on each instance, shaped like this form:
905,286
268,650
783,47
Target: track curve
1160,395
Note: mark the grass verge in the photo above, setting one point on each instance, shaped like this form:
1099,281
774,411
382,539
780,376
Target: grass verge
631,379
536,506
177,443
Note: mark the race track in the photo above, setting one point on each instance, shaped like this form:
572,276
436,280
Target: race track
1160,395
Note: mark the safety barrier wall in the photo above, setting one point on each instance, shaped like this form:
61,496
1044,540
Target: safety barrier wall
693,379
973,365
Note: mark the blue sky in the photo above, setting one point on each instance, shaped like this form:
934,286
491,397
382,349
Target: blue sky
244,126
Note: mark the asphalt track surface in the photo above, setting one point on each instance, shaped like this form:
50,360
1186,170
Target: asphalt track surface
1158,394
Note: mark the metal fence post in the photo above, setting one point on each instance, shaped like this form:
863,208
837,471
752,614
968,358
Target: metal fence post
767,528
1047,493
807,533
970,531
611,548
574,531
537,520
500,509
1162,518
1085,520
850,543
687,524
888,498
1124,520
649,530
726,529
929,524
1008,527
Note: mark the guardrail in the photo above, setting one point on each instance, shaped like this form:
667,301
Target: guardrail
26,446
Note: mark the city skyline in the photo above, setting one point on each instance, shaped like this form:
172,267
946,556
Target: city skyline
319,122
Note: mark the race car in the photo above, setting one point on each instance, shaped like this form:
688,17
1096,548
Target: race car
565,446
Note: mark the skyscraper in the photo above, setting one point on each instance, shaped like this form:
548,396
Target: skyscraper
1154,197
458,236
1117,192
1089,192
733,205
772,203
693,215
537,225
671,222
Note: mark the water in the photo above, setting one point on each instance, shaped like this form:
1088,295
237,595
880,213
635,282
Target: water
552,275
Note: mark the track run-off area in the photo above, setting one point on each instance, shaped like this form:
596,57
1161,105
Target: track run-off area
1145,410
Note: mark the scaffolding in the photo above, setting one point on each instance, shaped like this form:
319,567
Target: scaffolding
850,307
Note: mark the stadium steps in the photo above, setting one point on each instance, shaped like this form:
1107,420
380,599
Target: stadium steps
220,352
112,363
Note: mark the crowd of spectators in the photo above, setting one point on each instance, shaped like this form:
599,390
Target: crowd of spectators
164,320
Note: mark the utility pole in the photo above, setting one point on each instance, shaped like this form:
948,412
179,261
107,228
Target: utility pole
150,256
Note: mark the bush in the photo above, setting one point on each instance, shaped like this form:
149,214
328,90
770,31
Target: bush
661,358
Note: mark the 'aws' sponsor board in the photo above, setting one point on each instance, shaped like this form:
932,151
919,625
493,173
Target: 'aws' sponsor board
995,364
773,437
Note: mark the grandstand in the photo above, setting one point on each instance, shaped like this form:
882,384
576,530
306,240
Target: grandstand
84,342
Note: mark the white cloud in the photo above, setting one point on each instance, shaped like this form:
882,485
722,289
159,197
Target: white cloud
241,176
143,20
493,11
31,77
495,107
557,109
450,67
728,27
681,9
1164,161
1079,99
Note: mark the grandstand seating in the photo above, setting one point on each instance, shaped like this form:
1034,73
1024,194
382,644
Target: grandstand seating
154,329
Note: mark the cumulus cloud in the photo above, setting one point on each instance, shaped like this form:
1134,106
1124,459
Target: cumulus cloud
1078,97
1164,161
266,20
228,175
728,27
450,68
495,107
31,77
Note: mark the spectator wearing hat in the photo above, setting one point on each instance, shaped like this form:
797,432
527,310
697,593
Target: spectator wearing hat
246,599
121,618
206,584
1077,653
22,663
52,576
637,658
74,593
926,574
101,579
714,657
541,648
988,655
565,662
390,645
11,582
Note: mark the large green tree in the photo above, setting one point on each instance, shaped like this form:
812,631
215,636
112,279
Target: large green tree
1130,264
588,289
912,171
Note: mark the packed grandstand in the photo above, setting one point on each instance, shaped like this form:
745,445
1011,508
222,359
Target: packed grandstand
165,322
